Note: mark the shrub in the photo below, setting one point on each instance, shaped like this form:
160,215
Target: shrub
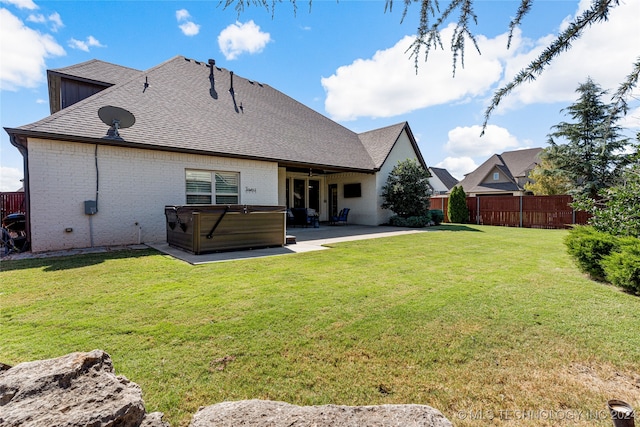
412,221
407,191
458,210
588,247
622,268
437,216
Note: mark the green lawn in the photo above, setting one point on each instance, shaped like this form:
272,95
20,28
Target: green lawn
466,319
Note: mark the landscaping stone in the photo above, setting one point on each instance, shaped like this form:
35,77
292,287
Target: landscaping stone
261,413
79,389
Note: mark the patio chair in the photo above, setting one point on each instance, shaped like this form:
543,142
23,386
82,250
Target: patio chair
341,218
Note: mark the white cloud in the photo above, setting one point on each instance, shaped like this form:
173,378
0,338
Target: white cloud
41,101
458,166
84,45
631,120
182,15
188,27
37,18
10,179
387,85
21,4
24,51
467,142
239,38
602,53
54,19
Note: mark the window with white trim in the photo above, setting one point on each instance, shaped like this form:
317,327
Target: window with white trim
208,187
496,176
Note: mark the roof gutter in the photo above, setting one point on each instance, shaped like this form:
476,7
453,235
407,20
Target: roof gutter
26,133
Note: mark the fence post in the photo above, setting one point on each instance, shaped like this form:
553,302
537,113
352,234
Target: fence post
521,211
477,210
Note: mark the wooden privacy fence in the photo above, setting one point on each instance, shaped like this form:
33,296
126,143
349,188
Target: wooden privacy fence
11,202
519,211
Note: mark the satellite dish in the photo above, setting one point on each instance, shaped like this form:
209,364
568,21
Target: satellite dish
116,118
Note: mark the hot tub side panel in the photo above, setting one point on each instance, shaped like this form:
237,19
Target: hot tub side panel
218,228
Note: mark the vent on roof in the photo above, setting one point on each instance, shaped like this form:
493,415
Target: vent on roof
212,90
116,118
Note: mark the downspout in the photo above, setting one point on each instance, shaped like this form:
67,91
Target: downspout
21,144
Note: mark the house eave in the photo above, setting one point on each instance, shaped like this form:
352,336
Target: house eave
25,133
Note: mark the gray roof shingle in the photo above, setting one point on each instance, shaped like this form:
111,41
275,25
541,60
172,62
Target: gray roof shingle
181,110
444,176
98,71
380,142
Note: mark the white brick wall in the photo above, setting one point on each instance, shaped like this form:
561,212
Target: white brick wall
134,187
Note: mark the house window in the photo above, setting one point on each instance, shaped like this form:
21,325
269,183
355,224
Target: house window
205,187
496,176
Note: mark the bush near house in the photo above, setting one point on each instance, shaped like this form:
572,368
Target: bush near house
622,267
588,246
412,221
407,191
437,216
606,257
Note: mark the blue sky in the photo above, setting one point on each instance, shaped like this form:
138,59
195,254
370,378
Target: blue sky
346,60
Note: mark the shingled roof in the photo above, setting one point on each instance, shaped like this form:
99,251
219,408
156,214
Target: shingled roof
181,105
511,164
444,176
97,71
380,142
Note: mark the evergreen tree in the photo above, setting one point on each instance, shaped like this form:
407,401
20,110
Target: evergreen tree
457,209
592,157
407,191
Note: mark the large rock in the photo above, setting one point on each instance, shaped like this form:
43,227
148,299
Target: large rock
79,389
260,413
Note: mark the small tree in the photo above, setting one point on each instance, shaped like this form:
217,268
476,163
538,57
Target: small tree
457,210
547,180
407,190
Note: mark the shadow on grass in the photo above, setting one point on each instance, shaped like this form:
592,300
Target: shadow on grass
455,227
73,261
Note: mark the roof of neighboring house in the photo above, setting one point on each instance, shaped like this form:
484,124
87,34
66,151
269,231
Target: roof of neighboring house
444,176
512,164
178,107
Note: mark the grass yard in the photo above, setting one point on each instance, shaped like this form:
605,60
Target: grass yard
490,325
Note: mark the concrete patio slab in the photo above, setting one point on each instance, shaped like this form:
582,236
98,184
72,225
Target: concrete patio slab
307,240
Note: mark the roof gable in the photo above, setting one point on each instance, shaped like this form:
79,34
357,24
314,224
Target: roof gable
380,142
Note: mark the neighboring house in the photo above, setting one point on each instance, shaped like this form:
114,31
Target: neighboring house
441,181
502,174
201,135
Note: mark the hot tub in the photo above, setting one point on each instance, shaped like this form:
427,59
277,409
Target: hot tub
215,228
